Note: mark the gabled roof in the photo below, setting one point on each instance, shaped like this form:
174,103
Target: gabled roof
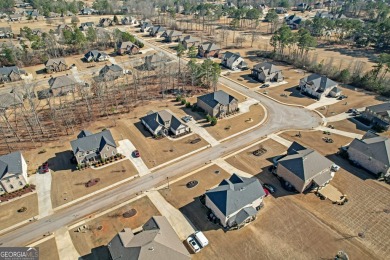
267,67
157,29
125,45
209,46
157,119
157,241
112,67
235,193
171,33
320,82
380,108
374,146
5,71
92,142
304,162
11,163
231,56
10,99
189,39
218,97
95,54
62,81
51,62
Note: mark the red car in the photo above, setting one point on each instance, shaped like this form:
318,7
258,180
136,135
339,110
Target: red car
266,192
137,154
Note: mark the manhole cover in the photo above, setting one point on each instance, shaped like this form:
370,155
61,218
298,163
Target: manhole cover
192,184
130,213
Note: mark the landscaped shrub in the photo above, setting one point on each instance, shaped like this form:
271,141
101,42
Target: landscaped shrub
214,120
178,98
188,104
183,101
208,118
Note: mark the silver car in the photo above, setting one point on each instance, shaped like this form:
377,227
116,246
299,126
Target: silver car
193,244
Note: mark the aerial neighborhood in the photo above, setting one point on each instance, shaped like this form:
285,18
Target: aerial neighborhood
195,129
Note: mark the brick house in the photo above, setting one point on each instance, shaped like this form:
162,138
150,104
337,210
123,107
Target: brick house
55,65
127,48
267,72
218,104
12,73
62,85
208,50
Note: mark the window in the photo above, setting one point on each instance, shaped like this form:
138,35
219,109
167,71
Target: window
113,152
11,186
105,155
108,148
17,177
20,183
1,189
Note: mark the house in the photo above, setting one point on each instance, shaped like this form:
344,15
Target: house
328,15
127,48
55,65
15,17
330,3
304,168
156,240
280,10
318,5
90,147
105,22
112,72
13,172
233,61
96,55
335,92
263,8
218,104
156,31
189,41
145,26
316,85
172,35
53,15
37,32
6,32
154,60
164,123
62,27
85,26
378,115
293,21
10,100
302,7
236,201
229,5
87,11
208,50
10,74
62,85
267,72
372,152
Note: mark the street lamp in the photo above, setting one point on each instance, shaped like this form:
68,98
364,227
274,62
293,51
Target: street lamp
168,182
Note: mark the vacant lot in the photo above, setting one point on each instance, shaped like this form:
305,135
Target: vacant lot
237,123
48,250
349,126
252,164
179,195
8,210
102,229
313,139
69,184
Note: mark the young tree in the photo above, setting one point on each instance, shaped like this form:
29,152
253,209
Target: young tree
115,20
74,20
272,18
192,52
91,35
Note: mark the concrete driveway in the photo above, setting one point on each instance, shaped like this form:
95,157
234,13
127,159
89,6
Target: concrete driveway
324,101
43,184
127,148
196,128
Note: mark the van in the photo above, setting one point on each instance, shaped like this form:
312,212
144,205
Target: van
201,239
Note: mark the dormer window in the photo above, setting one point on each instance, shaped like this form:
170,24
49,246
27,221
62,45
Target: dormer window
11,186
20,183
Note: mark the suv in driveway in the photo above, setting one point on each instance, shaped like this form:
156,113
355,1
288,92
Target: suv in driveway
193,244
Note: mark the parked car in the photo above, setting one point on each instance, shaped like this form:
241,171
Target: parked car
264,86
335,167
201,239
269,187
266,192
136,154
192,243
186,118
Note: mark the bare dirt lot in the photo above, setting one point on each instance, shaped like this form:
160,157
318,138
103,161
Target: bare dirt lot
313,139
8,210
48,250
104,228
179,195
252,164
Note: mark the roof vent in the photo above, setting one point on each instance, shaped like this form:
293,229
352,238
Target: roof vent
151,248
243,188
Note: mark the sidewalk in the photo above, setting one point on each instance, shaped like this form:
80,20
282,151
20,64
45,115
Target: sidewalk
280,140
127,148
231,169
43,182
338,117
66,249
339,132
179,222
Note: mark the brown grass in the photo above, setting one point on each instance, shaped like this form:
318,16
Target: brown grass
48,250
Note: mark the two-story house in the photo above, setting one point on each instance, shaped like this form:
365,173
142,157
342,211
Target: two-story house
188,41
267,72
156,31
172,35
208,50
62,85
218,104
127,48
88,147
164,123
318,86
96,55
12,73
13,172
112,72
55,65
233,61
378,114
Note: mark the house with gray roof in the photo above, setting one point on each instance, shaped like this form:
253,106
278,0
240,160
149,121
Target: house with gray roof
62,85
302,7
88,147
236,201
328,15
13,172
208,50
6,32
164,123
171,35
188,41
372,152
267,72
15,17
293,21
156,31
316,85
304,168
96,55
378,115
154,60
127,48
11,73
85,26
156,241
9,100
145,25
105,22
218,104
111,72
233,61
87,11
55,65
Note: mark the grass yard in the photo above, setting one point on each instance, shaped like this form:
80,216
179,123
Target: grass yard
8,210
252,164
313,139
68,185
48,250
111,223
179,195
235,124
240,97
349,126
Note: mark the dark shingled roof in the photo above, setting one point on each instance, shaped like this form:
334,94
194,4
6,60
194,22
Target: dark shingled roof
319,81
380,108
267,67
154,120
218,97
92,142
10,99
11,163
5,71
235,193
62,81
50,62
210,46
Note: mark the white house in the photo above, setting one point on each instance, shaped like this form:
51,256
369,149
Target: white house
233,61
317,86
13,172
